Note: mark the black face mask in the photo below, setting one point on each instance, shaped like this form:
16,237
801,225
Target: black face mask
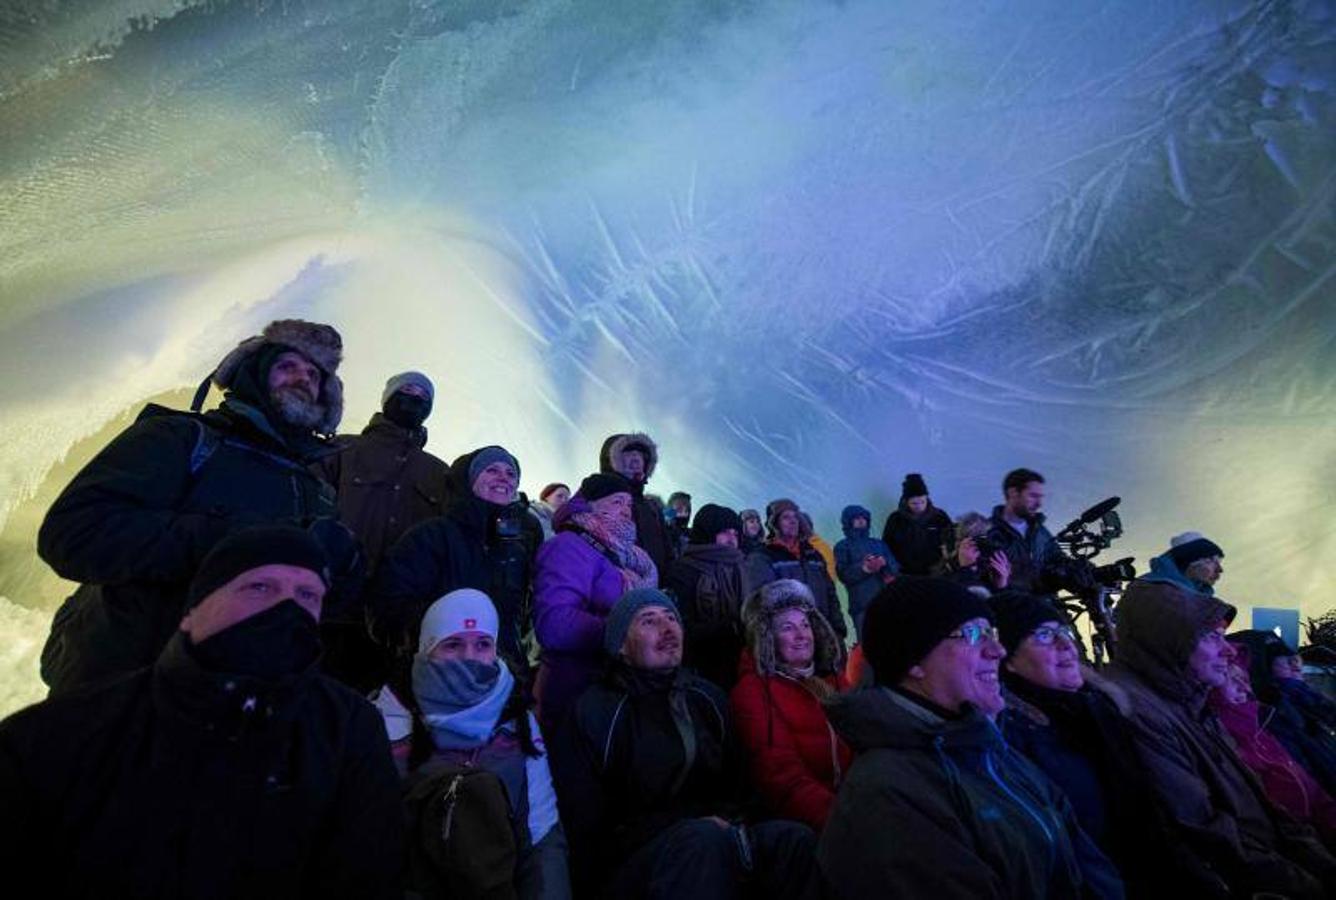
407,411
282,640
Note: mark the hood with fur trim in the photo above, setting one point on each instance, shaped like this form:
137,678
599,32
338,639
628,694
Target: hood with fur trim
618,444
758,615
321,344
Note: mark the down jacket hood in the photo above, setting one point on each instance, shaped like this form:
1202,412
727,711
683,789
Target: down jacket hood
847,517
1158,628
618,444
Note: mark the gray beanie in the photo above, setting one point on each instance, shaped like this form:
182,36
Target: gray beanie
403,379
625,609
488,455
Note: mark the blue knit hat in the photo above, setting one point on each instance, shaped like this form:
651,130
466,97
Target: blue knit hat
625,609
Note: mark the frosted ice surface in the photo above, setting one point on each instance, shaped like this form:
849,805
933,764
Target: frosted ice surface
810,246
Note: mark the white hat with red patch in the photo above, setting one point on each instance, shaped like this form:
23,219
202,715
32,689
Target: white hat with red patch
458,611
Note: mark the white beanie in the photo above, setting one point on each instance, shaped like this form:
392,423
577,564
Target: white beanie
463,610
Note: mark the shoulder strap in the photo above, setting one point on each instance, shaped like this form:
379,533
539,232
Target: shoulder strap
207,439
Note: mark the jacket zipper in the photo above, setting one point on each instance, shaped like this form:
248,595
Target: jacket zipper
1034,814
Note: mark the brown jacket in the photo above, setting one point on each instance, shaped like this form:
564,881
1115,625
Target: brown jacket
1218,804
386,484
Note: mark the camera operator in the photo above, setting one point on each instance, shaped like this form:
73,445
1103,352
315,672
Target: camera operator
486,540
977,564
1038,564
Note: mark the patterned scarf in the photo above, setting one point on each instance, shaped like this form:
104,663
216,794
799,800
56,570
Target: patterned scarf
619,536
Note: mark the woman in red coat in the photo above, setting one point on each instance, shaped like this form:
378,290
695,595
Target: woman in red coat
794,660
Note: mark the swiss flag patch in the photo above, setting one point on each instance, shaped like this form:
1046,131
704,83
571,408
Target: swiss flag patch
470,623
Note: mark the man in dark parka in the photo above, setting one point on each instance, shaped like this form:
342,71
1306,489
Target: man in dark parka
229,768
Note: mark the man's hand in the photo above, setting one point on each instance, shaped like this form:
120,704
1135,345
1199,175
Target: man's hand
1001,567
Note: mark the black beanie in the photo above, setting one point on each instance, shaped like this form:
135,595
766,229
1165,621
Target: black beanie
1018,613
913,486
710,520
604,484
1187,553
911,616
251,548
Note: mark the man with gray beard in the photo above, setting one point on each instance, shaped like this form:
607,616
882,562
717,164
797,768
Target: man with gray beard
137,520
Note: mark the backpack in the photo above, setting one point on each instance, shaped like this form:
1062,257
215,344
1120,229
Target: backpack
461,842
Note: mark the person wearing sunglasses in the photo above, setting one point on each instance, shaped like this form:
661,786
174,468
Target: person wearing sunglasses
1061,717
936,804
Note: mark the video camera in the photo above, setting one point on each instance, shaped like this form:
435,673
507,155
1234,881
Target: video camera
1095,588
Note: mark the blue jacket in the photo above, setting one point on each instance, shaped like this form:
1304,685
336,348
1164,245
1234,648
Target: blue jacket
1163,570
849,553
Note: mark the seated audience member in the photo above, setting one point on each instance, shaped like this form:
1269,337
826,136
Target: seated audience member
788,553
229,768
677,516
707,582
650,780
1286,783
1171,652
967,566
591,561
936,804
486,540
793,663
864,564
472,714
1064,718
752,535
552,498
1191,564
918,533
1301,717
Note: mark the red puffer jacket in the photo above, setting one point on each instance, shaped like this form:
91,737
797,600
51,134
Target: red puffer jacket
795,757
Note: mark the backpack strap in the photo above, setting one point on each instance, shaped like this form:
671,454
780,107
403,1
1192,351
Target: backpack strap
207,439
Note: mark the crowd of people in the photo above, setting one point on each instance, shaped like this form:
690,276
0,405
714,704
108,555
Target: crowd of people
305,664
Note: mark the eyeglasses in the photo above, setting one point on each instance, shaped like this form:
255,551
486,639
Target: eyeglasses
1047,634
974,634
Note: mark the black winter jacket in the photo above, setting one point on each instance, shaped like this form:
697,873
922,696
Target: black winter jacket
708,584
1080,741
465,548
620,765
917,541
945,809
177,783
135,523
1035,557
386,483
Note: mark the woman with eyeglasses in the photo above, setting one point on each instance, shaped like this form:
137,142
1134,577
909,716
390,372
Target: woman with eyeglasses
936,804
1060,714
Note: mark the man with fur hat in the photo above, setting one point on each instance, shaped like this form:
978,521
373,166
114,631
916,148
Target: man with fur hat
230,767
635,456
1171,652
386,484
136,521
788,553
918,533
708,584
793,663
650,780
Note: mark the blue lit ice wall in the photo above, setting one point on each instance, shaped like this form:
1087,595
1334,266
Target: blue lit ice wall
810,246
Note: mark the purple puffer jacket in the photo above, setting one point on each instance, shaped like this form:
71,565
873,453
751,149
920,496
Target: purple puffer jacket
574,588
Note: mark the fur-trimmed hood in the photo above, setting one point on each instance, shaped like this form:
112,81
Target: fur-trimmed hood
618,444
321,344
758,615
776,508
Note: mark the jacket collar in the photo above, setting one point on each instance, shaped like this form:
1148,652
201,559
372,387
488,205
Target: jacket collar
380,426
219,704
